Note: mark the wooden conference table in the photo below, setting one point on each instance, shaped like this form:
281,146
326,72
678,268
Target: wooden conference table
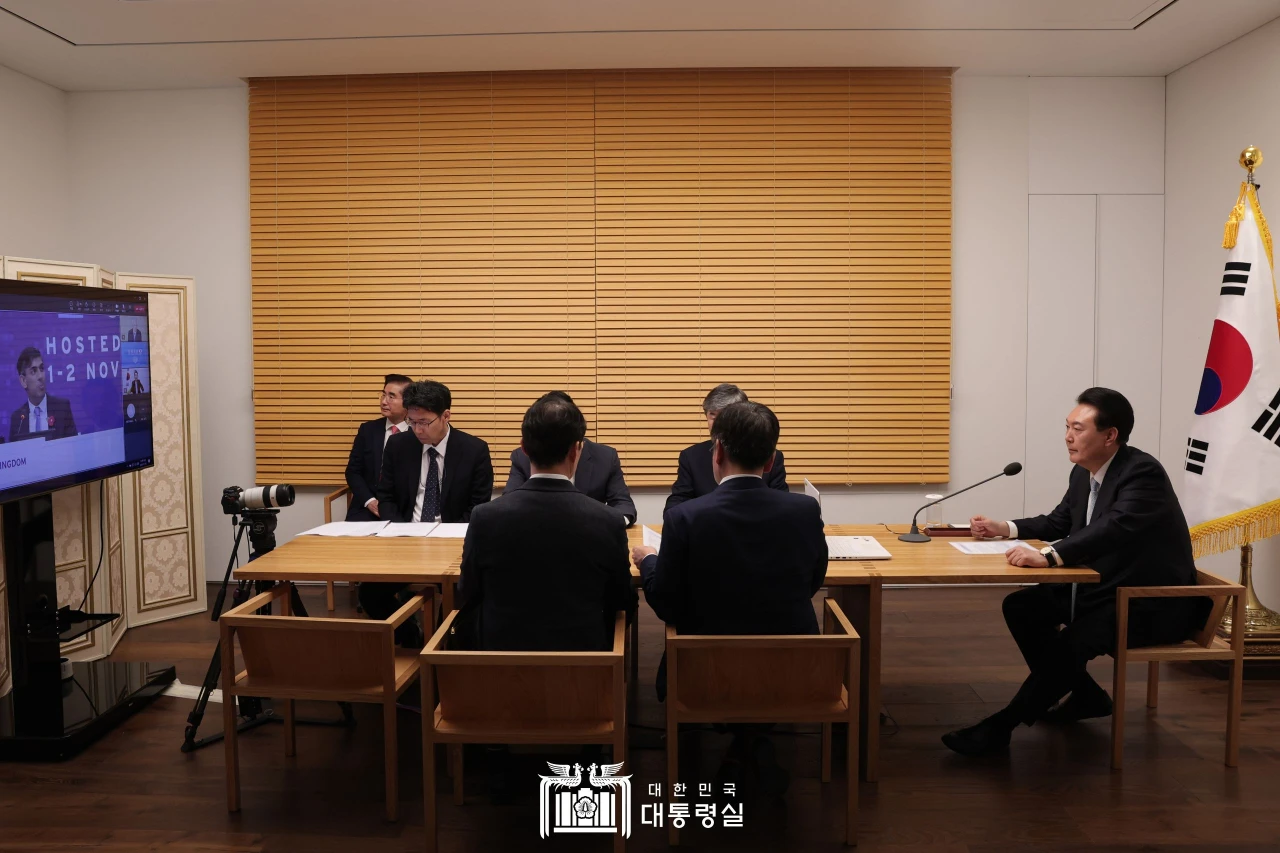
856,585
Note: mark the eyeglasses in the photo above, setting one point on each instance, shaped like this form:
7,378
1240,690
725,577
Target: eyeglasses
421,424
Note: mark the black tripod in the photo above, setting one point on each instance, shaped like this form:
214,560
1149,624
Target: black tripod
261,524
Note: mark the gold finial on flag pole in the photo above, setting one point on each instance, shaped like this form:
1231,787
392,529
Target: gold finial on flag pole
1250,159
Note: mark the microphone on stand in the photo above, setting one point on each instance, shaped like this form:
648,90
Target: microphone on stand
916,536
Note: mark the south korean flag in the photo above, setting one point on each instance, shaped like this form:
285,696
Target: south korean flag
1231,467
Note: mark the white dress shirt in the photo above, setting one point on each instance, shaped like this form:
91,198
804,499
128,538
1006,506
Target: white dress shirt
422,474
736,476
42,423
550,477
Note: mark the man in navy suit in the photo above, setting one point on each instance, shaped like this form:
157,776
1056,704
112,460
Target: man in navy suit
1120,517
433,472
364,466
42,414
693,476
598,475
744,559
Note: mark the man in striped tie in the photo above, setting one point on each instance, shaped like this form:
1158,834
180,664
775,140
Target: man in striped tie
1121,518
42,415
365,462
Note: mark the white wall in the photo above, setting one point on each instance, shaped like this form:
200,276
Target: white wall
162,186
1217,106
33,174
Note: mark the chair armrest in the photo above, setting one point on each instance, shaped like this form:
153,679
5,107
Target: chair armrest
407,609
260,600
1124,593
330,498
620,634
436,643
835,615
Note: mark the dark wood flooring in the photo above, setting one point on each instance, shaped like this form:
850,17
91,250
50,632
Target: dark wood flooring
947,662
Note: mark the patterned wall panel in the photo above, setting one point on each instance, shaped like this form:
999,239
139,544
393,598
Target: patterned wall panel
72,537
115,562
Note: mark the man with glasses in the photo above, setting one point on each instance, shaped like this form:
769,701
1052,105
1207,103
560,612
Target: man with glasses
431,473
364,466
694,477
42,415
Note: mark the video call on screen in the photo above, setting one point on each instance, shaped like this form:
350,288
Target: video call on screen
75,387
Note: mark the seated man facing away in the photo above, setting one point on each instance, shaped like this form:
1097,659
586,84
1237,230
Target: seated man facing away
744,559
545,568
1121,518
694,477
365,463
599,474
431,473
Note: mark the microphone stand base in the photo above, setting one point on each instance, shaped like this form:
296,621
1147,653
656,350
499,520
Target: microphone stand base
914,537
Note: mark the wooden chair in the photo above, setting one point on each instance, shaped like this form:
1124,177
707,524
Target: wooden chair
768,679
518,698
328,519
341,660
1205,645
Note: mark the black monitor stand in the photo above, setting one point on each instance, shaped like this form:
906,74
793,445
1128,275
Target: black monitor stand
45,718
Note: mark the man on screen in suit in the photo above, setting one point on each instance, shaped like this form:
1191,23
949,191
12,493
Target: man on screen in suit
41,414
598,475
433,472
545,568
743,559
364,465
1121,518
693,476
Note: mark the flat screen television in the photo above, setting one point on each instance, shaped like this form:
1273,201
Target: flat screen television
75,386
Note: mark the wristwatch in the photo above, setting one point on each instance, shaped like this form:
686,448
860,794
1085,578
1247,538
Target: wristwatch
1050,555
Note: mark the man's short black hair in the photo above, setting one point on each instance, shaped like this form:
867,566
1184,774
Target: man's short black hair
431,396
1113,411
396,379
748,432
551,427
562,395
27,356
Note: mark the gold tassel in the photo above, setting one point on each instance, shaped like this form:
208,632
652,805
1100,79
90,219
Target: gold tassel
1263,230
1232,230
1239,528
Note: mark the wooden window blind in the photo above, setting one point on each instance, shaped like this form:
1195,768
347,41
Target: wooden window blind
631,237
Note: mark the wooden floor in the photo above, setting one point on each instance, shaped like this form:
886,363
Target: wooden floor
948,662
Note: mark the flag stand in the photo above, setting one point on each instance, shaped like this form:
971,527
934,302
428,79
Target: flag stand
1261,623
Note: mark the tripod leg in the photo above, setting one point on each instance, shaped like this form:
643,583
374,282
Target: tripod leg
202,701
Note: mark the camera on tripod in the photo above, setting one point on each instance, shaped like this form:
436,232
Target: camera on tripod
236,500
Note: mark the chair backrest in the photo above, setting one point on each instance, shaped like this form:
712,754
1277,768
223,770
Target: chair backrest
526,689
1205,634
748,673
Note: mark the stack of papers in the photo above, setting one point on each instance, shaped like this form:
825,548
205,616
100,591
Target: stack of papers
997,547
651,537
386,529
346,528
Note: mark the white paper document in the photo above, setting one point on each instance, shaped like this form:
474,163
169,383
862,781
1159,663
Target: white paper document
812,491
998,547
452,530
856,548
346,528
415,529
652,538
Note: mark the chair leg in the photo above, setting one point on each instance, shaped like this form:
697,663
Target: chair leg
1153,683
328,595
1234,697
290,730
826,752
673,766
429,790
389,757
1117,713
455,751
231,745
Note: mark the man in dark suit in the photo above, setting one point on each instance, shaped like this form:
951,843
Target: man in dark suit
693,476
744,559
433,472
364,465
545,568
1121,518
599,473
42,414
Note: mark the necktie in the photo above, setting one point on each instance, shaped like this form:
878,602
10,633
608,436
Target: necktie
431,492
38,420
394,429
1094,485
